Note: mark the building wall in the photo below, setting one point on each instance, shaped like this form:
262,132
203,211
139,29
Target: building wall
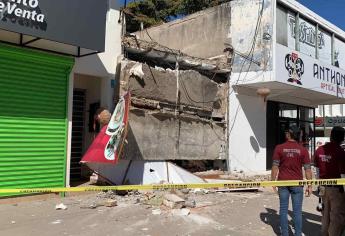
251,35
204,34
104,65
252,39
247,133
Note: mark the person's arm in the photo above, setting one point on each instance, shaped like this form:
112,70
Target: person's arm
308,173
275,167
274,172
315,163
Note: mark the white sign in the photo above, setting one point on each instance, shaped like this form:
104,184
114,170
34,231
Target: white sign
26,9
298,69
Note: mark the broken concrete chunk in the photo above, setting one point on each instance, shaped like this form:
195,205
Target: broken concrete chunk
173,198
61,206
173,201
137,70
185,191
156,212
154,200
200,191
93,205
181,212
190,204
109,203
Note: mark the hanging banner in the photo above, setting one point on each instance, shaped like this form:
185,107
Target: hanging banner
108,145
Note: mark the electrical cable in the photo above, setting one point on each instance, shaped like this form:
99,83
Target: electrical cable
250,55
252,49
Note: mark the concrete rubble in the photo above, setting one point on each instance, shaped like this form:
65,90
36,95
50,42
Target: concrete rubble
173,201
61,206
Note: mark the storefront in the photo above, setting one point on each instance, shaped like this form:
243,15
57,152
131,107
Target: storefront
284,80
40,40
281,116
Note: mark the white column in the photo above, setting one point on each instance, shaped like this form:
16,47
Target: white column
69,132
247,127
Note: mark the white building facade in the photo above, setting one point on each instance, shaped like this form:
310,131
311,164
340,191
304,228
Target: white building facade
289,61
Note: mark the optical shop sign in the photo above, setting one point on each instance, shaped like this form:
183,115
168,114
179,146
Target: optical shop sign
301,70
330,121
74,22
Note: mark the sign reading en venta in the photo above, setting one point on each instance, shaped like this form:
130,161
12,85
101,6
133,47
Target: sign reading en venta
74,22
25,9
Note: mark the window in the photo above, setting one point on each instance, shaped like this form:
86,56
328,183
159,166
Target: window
307,38
310,34
325,46
287,110
291,20
339,53
282,30
306,114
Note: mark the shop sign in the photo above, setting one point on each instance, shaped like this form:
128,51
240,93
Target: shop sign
74,22
304,71
330,121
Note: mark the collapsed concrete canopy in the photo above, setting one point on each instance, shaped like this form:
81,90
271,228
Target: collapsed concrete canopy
157,52
141,172
164,126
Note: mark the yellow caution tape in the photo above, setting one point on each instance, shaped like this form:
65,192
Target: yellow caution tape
230,185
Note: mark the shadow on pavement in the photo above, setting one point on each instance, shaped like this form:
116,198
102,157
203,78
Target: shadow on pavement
271,217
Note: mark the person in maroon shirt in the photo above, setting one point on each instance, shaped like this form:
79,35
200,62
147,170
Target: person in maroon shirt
329,160
288,160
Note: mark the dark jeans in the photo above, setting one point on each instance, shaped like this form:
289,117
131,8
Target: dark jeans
297,200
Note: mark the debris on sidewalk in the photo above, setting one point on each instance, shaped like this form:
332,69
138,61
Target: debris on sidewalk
109,203
173,201
180,212
200,191
56,222
190,204
156,212
153,200
61,206
92,205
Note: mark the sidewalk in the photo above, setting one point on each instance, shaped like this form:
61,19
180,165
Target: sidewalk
235,214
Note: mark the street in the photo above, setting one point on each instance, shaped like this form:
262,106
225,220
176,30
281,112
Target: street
234,213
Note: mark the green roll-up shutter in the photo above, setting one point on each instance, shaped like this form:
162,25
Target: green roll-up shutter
33,118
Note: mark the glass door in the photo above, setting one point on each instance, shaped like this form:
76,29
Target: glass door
281,116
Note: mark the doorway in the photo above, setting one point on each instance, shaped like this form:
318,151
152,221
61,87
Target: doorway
281,116
77,133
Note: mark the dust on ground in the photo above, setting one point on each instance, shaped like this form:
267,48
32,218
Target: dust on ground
144,213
